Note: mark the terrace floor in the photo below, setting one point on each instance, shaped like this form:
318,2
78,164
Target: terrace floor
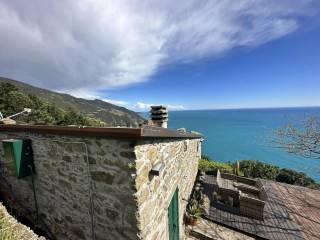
290,213
208,230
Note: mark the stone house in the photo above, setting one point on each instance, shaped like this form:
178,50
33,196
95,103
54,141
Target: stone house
99,183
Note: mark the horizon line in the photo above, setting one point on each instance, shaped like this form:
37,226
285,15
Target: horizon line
240,108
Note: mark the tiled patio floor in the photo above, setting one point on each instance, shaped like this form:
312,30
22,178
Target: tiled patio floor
290,213
215,231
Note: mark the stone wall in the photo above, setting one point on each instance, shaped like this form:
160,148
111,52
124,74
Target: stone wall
98,188
154,193
84,186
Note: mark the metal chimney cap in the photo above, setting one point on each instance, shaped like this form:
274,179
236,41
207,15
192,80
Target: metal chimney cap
156,107
159,115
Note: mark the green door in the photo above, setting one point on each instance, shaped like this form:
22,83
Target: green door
173,215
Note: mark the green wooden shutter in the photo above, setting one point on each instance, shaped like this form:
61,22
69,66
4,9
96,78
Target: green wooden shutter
173,216
19,152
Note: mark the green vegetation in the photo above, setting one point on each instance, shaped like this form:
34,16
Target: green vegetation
194,211
108,113
206,163
12,100
257,169
296,178
10,229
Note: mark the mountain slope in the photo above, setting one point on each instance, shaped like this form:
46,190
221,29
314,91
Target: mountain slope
111,114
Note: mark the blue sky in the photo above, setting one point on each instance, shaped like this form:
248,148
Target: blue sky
281,73
195,54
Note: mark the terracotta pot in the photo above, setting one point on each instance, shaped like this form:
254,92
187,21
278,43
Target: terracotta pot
191,221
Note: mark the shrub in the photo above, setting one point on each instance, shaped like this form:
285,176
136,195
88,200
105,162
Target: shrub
205,157
257,169
205,164
296,178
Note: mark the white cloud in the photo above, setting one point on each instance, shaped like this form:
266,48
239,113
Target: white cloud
116,102
84,46
176,107
82,93
141,106
93,95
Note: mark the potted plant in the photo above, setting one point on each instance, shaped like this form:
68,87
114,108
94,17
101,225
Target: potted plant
193,214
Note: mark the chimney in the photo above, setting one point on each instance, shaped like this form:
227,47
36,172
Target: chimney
159,116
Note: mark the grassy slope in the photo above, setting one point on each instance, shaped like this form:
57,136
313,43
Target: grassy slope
107,112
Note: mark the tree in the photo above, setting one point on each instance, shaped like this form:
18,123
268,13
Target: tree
13,100
303,141
296,178
71,117
257,169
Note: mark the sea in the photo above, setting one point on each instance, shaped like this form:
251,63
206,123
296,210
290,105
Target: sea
243,134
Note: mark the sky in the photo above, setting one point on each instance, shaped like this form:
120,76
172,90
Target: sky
193,54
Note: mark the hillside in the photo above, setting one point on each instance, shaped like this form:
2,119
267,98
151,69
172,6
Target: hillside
109,113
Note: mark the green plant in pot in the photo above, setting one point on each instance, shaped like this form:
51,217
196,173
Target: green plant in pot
193,214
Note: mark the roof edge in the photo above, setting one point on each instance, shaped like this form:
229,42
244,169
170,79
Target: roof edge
159,132
76,131
145,132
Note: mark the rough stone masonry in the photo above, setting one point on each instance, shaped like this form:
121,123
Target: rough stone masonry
96,183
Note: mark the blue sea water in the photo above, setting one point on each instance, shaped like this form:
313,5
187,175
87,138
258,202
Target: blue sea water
232,135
